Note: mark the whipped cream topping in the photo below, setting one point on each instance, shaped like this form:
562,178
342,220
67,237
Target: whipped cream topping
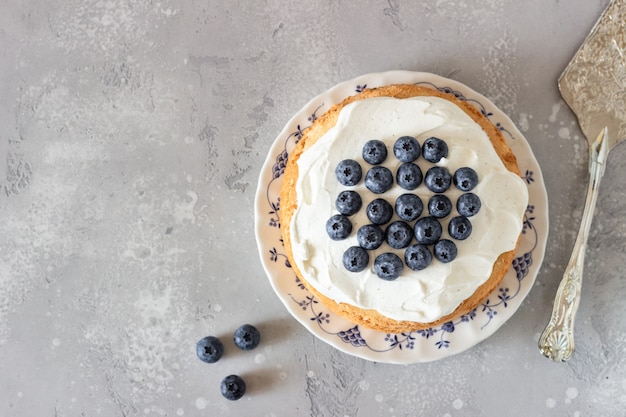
436,291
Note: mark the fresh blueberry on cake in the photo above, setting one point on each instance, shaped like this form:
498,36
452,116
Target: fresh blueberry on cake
406,149
409,207
409,176
338,227
428,230
468,204
388,266
435,149
374,152
445,251
348,202
399,235
439,206
370,236
460,228
348,172
465,179
355,259
438,179
379,211
418,257
378,179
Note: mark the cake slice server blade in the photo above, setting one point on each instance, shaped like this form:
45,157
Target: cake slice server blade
594,87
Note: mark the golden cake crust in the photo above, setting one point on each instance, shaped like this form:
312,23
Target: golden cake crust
288,204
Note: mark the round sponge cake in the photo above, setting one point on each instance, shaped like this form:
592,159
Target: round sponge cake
370,315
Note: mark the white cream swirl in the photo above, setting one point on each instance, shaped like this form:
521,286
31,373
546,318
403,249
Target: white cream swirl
421,296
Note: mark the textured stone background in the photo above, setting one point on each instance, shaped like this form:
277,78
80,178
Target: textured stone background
131,138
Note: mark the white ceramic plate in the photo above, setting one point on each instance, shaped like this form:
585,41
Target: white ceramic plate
419,346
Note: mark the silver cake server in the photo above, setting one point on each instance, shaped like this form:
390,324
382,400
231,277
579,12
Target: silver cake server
594,86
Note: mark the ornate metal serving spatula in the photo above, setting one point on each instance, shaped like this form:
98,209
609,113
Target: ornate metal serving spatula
594,86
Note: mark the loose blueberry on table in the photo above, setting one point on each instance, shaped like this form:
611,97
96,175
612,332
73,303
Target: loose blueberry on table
247,337
233,387
209,349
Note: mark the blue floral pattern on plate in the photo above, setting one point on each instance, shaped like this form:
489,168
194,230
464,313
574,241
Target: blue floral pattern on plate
423,345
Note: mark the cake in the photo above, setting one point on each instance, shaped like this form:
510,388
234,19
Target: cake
337,191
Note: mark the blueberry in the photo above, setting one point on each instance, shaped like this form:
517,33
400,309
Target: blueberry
427,230
468,204
417,257
465,179
445,251
247,337
439,206
233,387
407,149
379,211
399,235
355,259
437,179
378,179
209,349
388,266
434,149
409,207
374,151
370,236
409,176
338,227
348,172
460,228
348,202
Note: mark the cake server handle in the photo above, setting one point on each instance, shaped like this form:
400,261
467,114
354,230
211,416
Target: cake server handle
557,340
